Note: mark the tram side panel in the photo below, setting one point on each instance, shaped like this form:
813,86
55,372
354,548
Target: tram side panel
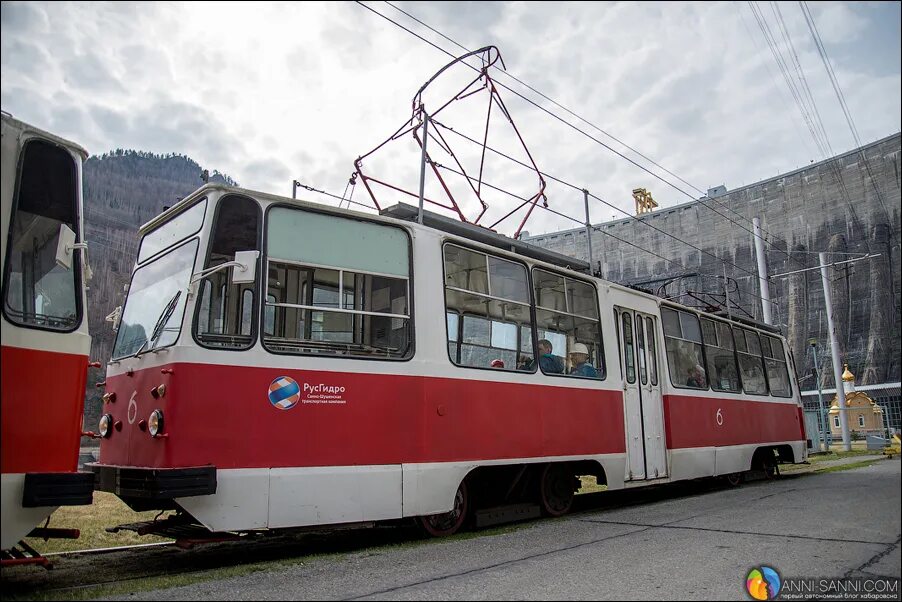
717,432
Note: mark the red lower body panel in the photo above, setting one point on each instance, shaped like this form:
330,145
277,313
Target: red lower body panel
226,416
707,422
41,404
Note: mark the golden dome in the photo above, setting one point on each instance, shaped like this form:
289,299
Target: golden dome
846,375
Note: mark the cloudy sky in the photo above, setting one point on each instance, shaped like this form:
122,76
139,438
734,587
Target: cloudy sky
269,92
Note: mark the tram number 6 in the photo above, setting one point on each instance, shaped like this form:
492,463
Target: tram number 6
132,408
719,417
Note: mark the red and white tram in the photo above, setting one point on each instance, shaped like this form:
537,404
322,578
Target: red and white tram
45,342
281,364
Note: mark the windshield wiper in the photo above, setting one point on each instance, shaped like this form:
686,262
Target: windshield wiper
161,323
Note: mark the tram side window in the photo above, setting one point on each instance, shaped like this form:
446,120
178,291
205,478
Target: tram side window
567,317
487,308
751,364
225,311
39,292
719,351
683,342
629,353
640,339
349,300
777,371
652,350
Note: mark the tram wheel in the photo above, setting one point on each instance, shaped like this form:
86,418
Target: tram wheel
735,479
771,471
556,489
767,463
448,523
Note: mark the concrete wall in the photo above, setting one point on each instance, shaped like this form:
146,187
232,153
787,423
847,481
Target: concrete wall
833,205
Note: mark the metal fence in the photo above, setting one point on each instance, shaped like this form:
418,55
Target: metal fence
888,396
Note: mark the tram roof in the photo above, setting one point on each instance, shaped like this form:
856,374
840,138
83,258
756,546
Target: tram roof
481,234
401,211
28,128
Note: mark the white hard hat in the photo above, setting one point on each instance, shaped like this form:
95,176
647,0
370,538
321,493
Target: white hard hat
579,348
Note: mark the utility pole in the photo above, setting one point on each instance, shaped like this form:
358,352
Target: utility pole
820,396
423,162
762,272
834,348
588,233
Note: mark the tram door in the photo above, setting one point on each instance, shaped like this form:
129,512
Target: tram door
643,403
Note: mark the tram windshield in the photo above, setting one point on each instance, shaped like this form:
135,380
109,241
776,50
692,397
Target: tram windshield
38,292
153,312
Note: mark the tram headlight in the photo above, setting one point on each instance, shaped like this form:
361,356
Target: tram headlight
105,427
155,423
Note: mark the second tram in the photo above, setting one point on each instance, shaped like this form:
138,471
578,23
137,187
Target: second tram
45,333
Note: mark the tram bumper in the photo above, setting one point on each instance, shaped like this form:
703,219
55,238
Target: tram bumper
154,483
57,489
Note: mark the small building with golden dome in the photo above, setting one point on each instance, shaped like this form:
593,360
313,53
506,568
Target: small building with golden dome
865,416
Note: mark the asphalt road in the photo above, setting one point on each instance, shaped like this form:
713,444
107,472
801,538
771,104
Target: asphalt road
697,546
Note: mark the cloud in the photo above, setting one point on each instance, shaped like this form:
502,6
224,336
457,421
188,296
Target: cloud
300,90
88,72
837,22
22,16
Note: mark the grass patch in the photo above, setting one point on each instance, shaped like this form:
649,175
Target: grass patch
849,466
106,511
836,455
590,485
154,583
161,582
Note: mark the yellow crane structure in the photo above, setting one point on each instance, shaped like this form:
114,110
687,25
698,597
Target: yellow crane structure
644,202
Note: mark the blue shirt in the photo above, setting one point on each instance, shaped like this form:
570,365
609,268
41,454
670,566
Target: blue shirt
585,370
551,364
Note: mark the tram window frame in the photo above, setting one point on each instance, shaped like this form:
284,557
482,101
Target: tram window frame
601,370
171,221
739,353
170,253
629,371
203,286
780,358
651,332
410,350
489,296
641,354
16,205
718,327
667,337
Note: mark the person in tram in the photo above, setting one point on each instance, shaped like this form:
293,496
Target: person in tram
550,363
498,363
579,359
697,378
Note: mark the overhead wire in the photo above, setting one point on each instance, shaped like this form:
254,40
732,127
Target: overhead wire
583,132
777,87
583,119
594,197
831,74
550,210
810,115
507,73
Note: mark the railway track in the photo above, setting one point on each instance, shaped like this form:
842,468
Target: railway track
89,569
